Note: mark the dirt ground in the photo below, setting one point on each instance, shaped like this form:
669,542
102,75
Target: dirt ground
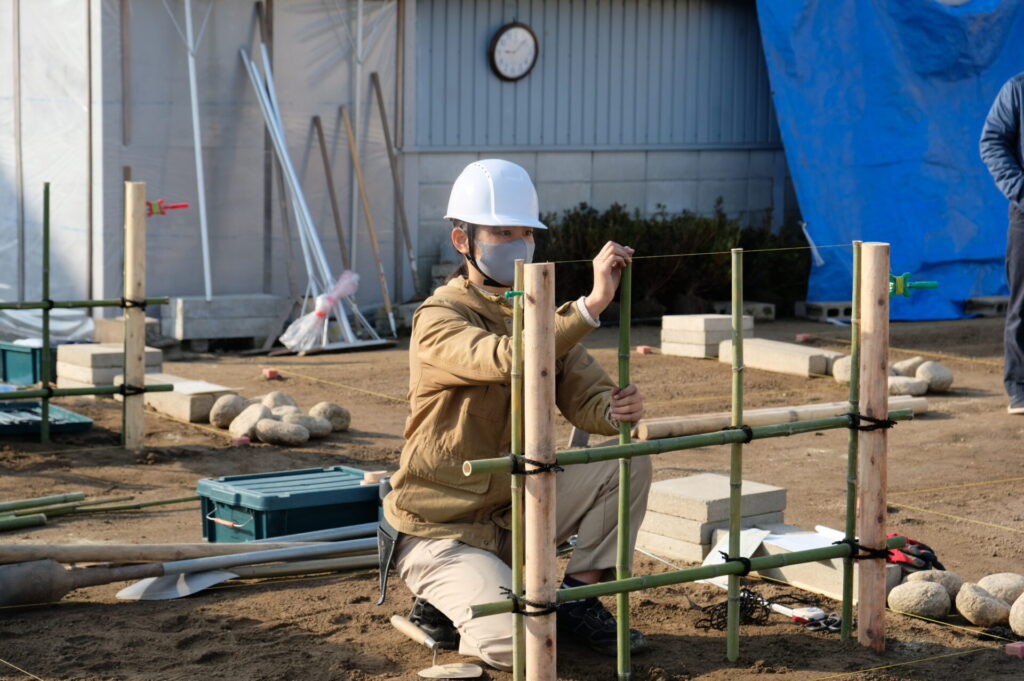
954,477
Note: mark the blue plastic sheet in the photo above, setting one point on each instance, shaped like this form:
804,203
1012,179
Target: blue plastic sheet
881,105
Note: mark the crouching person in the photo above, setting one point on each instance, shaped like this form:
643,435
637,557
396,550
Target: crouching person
454,543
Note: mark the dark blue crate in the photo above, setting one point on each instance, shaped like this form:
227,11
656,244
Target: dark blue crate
239,508
23,417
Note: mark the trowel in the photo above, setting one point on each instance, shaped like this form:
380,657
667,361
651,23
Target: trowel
454,670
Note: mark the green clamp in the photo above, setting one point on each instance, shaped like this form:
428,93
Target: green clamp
513,294
900,286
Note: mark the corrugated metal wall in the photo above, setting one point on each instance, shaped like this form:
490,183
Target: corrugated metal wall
611,74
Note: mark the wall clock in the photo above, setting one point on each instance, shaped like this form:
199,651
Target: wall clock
513,52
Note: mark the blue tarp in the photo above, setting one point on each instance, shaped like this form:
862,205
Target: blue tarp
880,105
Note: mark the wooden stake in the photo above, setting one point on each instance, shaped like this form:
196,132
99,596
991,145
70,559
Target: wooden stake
365,200
329,177
874,399
134,430
539,445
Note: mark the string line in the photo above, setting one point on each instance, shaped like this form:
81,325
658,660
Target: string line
691,255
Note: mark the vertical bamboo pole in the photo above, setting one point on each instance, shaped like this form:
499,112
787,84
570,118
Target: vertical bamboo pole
625,470
539,445
44,351
134,317
518,624
874,402
851,448
736,463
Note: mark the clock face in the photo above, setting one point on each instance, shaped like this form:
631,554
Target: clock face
514,51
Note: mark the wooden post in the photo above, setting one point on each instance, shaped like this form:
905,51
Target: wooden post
134,429
874,402
539,445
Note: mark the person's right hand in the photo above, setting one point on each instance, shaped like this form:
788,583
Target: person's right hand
607,272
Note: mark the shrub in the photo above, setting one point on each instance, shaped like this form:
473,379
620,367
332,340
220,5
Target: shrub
683,261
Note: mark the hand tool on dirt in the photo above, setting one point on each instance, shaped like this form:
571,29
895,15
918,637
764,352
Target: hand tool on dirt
371,230
175,586
454,670
44,581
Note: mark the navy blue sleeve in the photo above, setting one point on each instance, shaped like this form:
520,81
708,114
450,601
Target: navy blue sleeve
1001,141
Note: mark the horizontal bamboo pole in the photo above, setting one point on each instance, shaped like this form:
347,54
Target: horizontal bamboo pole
106,302
677,426
16,523
140,553
679,576
71,507
70,392
41,501
141,504
503,464
305,567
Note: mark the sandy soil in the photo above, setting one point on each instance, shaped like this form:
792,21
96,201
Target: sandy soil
954,479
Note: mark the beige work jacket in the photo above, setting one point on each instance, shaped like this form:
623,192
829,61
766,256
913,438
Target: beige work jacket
460,361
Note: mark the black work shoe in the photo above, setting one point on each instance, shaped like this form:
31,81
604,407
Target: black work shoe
434,623
588,622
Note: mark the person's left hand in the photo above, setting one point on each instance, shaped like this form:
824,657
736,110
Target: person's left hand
627,404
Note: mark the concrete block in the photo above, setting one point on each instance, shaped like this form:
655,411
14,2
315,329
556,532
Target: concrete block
701,350
564,166
824,577
616,166
632,195
101,355
242,306
672,549
95,376
785,358
703,322
673,165
823,311
721,164
674,196
700,337
184,328
698,532
112,330
705,497
193,407
558,196
442,168
759,311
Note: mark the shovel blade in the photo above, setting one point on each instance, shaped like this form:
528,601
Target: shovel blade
173,586
454,670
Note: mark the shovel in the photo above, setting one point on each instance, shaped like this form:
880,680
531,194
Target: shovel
175,586
45,581
453,670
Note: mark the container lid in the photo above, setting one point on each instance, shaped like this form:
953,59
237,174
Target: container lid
289,489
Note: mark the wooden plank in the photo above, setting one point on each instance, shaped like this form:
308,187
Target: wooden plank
874,402
134,429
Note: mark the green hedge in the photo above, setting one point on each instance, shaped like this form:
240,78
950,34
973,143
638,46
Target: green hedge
681,284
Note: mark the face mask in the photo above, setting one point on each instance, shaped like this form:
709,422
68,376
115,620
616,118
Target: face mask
498,261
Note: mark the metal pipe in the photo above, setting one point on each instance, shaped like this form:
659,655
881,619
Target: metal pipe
503,464
68,392
106,302
44,351
197,143
732,641
846,626
518,554
680,576
623,549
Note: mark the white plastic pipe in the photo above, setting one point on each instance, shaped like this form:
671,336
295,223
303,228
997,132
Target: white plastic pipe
197,143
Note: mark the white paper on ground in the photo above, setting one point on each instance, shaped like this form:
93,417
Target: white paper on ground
750,540
798,541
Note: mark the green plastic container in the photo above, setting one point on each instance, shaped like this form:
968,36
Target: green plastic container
20,364
239,508
23,417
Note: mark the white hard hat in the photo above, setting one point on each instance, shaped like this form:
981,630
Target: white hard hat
494,192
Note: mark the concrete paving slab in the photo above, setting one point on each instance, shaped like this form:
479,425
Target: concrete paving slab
705,497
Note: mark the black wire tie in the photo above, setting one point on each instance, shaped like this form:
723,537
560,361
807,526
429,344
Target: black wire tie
861,552
746,429
49,304
128,302
519,466
738,559
518,602
876,424
131,389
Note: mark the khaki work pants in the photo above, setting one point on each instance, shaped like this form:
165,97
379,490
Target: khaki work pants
453,576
